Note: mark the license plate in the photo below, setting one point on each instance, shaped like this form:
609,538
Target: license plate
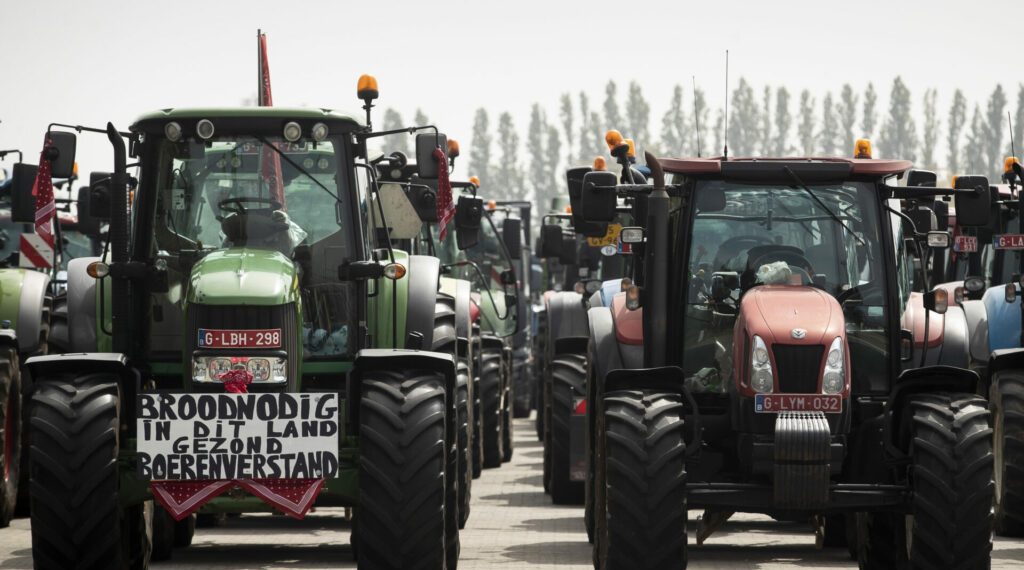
1008,241
232,338
775,403
611,237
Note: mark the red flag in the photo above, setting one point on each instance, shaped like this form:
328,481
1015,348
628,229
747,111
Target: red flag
445,202
271,161
37,249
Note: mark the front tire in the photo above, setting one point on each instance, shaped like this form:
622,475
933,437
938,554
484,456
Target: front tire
568,373
645,477
1006,399
77,521
951,472
490,407
465,466
401,470
11,436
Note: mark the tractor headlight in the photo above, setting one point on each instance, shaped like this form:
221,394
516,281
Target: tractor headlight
761,377
271,369
834,379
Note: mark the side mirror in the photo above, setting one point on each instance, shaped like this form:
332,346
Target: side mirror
87,224
922,178
574,179
23,203
972,208
426,164
360,271
512,235
99,195
550,241
923,218
423,198
61,152
468,213
598,196
508,277
719,291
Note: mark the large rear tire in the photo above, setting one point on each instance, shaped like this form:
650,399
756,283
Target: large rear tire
951,472
402,470
490,407
11,435
506,417
1006,399
569,375
645,524
465,436
77,520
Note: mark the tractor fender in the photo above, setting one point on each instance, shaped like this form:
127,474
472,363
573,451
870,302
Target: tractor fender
629,331
604,347
423,275
567,323
82,294
34,288
463,330
955,348
369,359
1003,319
663,379
977,329
1005,359
927,380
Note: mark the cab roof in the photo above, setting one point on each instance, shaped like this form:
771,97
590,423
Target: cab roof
858,166
249,112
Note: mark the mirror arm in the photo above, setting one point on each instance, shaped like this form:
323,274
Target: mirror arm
80,128
364,135
4,153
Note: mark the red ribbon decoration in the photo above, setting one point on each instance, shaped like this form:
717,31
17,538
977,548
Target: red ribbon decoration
236,381
445,202
293,497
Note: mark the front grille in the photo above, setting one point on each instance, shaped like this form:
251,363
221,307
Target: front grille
247,317
798,367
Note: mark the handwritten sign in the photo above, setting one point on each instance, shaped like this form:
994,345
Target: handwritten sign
237,436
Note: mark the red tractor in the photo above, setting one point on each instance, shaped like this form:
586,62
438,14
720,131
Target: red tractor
758,363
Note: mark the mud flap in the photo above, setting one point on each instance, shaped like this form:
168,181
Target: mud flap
577,441
802,453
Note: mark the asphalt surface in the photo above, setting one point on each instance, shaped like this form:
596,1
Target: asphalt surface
513,525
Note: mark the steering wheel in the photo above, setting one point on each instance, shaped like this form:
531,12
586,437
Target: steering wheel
235,205
792,258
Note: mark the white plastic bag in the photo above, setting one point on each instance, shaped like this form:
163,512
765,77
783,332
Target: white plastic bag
774,273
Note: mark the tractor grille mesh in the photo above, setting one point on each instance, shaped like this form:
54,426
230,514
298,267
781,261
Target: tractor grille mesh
798,367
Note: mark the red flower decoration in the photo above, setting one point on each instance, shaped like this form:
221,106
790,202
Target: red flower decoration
236,381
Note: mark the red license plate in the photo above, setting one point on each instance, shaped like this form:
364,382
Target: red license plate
775,403
231,338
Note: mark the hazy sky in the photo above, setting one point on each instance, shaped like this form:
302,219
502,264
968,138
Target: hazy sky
88,62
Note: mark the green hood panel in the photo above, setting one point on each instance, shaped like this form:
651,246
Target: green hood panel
244,276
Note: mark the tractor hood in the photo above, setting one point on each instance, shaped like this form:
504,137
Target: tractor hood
788,314
243,276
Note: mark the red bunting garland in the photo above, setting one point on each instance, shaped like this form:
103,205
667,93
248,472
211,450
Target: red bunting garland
236,381
445,201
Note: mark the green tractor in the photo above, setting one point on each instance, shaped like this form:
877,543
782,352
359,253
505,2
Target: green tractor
242,273
472,250
25,319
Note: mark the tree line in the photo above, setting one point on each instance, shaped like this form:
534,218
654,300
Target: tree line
966,138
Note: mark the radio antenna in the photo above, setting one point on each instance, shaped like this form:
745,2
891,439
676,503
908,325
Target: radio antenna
725,135
696,113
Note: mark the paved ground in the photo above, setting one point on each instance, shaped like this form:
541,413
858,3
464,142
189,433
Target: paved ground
513,525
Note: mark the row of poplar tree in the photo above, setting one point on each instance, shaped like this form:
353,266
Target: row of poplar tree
962,139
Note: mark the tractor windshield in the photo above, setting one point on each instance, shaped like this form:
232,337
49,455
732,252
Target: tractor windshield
744,235
247,191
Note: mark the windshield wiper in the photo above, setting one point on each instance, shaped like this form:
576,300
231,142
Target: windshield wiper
297,167
800,184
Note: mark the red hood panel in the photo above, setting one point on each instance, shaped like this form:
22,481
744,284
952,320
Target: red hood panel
778,314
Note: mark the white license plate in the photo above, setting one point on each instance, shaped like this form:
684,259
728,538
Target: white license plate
775,403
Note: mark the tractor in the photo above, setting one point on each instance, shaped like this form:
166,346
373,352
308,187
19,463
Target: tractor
243,268
756,364
25,313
